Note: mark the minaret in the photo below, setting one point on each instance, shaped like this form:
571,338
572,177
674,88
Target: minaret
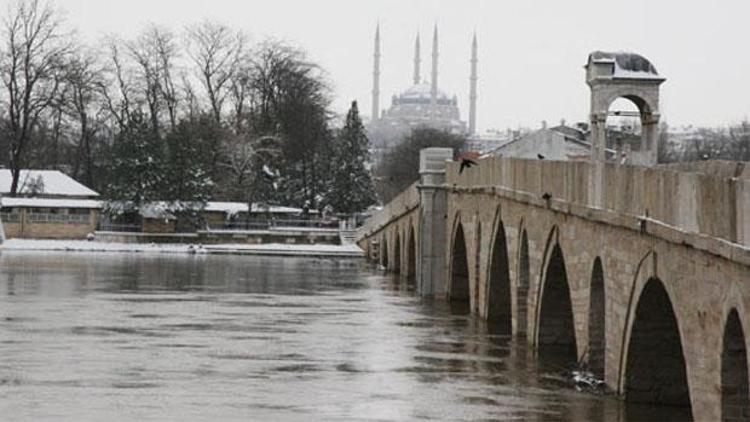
376,77
417,60
473,88
434,88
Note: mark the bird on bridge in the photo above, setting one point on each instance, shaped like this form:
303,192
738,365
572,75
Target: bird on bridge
467,160
465,164
540,156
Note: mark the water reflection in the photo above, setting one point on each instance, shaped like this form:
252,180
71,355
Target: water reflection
88,337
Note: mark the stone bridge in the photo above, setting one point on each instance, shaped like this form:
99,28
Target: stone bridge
643,273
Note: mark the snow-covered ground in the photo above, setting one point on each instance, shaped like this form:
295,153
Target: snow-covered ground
347,251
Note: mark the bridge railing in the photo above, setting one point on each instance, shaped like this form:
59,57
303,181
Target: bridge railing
407,200
712,199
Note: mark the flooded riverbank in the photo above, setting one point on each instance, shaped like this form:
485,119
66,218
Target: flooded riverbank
170,337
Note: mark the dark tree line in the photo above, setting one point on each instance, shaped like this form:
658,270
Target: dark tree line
176,116
399,167
722,143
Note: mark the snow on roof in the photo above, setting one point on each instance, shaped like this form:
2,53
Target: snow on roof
230,208
54,183
50,203
158,210
277,209
634,74
237,207
627,65
166,210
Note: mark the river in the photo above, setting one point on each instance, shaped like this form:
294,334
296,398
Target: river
93,337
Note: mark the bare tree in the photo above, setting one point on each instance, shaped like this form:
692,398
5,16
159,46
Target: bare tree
154,52
31,62
191,99
250,161
116,88
217,52
739,137
82,106
242,96
167,52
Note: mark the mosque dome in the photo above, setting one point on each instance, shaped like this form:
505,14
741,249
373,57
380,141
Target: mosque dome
421,91
422,104
421,94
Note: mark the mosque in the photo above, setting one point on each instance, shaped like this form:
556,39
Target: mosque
421,105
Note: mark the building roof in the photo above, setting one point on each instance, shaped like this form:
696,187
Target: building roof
570,131
50,203
167,210
627,65
53,183
238,207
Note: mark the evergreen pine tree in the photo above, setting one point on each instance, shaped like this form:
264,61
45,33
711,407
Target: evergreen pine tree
351,187
137,173
188,185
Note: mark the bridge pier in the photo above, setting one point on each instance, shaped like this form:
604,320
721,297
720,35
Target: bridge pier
431,265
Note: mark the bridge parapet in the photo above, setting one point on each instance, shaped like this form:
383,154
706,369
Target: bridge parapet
711,199
404,202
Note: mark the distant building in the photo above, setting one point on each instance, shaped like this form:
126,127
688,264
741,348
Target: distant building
219,215
564,142
491,140
550,143
421,105
49,205
556,143
160,217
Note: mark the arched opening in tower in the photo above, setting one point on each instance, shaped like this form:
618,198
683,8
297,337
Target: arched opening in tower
624,130
597,320
655,369
522,293
556,336
411,258
499,310
384,253
397,254
459,292
735,405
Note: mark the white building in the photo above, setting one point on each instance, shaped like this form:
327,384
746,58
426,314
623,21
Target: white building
49,204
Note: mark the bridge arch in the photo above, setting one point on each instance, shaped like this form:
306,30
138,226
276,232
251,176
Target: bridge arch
411,255
654,369
597,320
555,327
499,303
458,284
522,283
477,263
397,252
384,251
735,402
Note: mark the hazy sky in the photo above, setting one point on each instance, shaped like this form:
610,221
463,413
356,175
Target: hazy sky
531,53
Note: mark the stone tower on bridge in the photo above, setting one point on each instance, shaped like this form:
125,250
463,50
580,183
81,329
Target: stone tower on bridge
623,75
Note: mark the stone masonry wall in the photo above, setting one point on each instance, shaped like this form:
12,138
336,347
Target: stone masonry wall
26,229
684,229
